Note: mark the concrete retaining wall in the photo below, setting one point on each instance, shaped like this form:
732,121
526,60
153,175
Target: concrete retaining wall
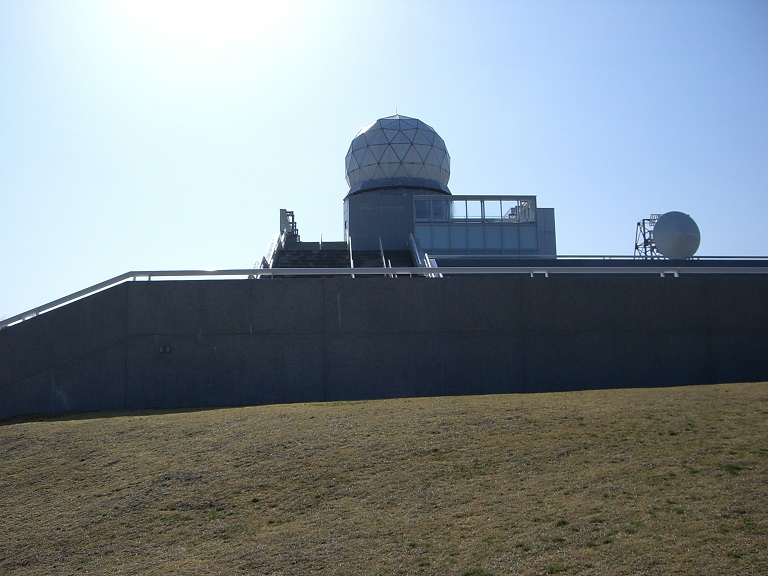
176,344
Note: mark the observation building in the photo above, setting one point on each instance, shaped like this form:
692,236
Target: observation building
482,305
400,210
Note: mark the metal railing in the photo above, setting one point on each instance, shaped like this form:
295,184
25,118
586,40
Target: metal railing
421,258
269,257
625,257
416,252
351,258
532,271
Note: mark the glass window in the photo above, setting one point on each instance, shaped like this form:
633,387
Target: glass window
492,209
459,210
440,210
509,209
527,211
474,209
422,210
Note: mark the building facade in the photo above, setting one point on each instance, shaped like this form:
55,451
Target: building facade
398,169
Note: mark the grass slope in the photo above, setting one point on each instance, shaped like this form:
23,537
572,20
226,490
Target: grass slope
658,481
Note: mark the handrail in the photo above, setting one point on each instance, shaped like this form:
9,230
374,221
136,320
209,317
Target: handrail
351,258
65,300
384,263
597,257
545,271
416,252
381,252
269,257
431,263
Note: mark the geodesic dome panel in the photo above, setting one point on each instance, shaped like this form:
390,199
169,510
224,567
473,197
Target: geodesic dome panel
397,147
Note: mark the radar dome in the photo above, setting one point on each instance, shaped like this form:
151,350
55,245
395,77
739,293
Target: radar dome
676,235
397,150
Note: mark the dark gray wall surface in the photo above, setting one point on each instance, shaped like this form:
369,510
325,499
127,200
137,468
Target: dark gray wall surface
178,344
373,215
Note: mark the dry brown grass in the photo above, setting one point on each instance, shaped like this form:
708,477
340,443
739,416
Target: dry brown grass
658,481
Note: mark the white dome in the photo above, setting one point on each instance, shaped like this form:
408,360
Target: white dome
676,235
397,147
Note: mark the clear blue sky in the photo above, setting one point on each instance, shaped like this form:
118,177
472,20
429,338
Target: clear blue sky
167,135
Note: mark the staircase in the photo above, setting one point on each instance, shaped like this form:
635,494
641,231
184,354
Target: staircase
372,258
301,258
297,256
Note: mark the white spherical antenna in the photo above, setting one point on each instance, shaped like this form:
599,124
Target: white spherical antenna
676,235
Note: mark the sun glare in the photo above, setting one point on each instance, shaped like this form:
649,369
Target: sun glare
207,23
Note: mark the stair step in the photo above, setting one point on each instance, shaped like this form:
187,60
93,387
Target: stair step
339,258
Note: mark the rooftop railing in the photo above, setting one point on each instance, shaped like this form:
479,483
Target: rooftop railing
660,268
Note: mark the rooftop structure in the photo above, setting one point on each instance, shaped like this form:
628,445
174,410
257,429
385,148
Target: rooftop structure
398,202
